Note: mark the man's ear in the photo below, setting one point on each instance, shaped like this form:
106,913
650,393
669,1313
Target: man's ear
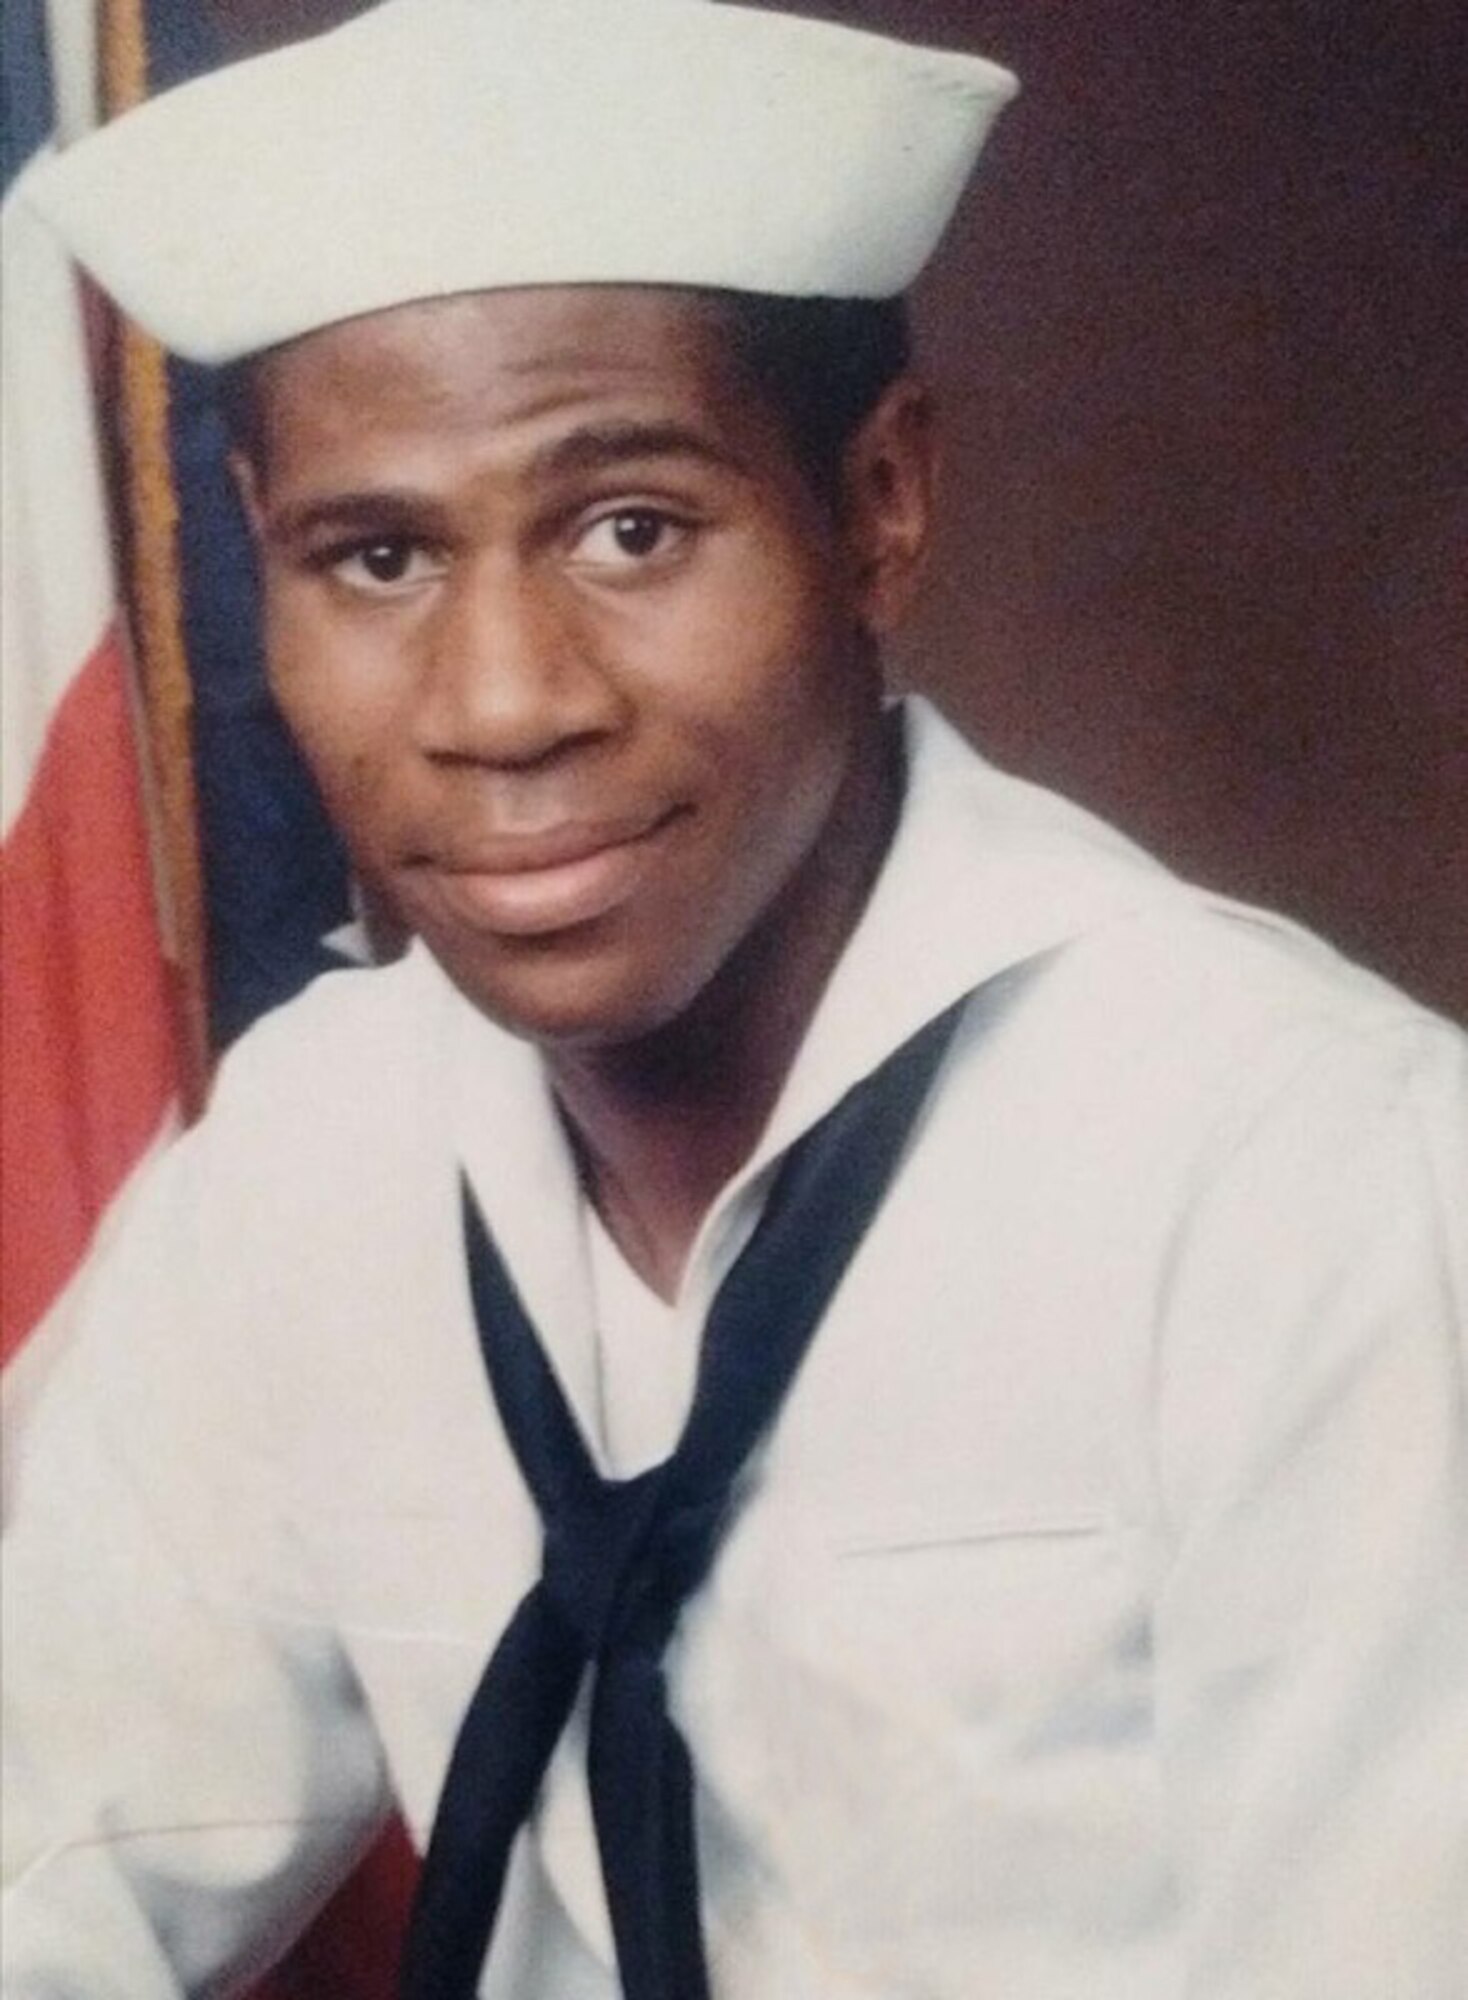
888,478
246,476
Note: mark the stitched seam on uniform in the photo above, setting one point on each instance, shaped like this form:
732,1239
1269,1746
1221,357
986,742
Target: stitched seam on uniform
1061,1528
88,1843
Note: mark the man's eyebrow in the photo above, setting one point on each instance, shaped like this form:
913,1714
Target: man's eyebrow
589,449
379,510
604,447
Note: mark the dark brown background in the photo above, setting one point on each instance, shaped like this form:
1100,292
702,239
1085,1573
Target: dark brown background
1200,334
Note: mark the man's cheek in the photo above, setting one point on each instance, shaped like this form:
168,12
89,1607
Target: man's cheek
345,763
356,784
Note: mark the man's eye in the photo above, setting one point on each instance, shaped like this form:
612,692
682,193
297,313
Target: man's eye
386,563
630,536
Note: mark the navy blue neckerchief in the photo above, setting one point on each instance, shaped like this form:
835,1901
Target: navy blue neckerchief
621,1556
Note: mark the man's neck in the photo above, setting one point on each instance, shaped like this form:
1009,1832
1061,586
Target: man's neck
660,1125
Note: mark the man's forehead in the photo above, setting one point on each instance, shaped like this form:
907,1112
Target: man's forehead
556,381
654,353
631,329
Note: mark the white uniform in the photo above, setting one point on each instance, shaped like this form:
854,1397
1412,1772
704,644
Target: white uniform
1095,1626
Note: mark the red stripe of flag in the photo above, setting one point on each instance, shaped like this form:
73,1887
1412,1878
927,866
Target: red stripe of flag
89,1055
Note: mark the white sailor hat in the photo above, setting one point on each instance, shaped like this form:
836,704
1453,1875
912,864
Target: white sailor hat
438,146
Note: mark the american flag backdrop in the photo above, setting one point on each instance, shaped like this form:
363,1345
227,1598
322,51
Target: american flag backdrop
105,1044
93,1063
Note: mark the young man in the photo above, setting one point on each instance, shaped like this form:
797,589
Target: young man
1051,1579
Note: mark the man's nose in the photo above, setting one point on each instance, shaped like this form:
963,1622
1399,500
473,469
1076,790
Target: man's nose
511,674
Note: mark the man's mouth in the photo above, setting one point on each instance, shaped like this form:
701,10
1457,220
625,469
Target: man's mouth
533,884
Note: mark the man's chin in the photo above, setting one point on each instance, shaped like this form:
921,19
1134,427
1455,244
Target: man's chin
559,998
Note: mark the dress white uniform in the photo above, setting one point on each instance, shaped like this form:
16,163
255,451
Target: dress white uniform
1094,1624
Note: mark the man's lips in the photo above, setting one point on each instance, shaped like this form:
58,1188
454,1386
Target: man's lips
529,885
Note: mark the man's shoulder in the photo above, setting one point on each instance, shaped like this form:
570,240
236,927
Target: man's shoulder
341,1019
1168,1042
1128,930
352,1065
1214,957
1198,1005
1024,877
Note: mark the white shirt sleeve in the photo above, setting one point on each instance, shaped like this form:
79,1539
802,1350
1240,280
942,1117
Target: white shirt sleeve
1312,1629
189,1766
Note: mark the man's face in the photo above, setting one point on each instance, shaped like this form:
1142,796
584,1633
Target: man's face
576,654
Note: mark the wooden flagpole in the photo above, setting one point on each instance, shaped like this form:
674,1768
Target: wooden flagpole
155,597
